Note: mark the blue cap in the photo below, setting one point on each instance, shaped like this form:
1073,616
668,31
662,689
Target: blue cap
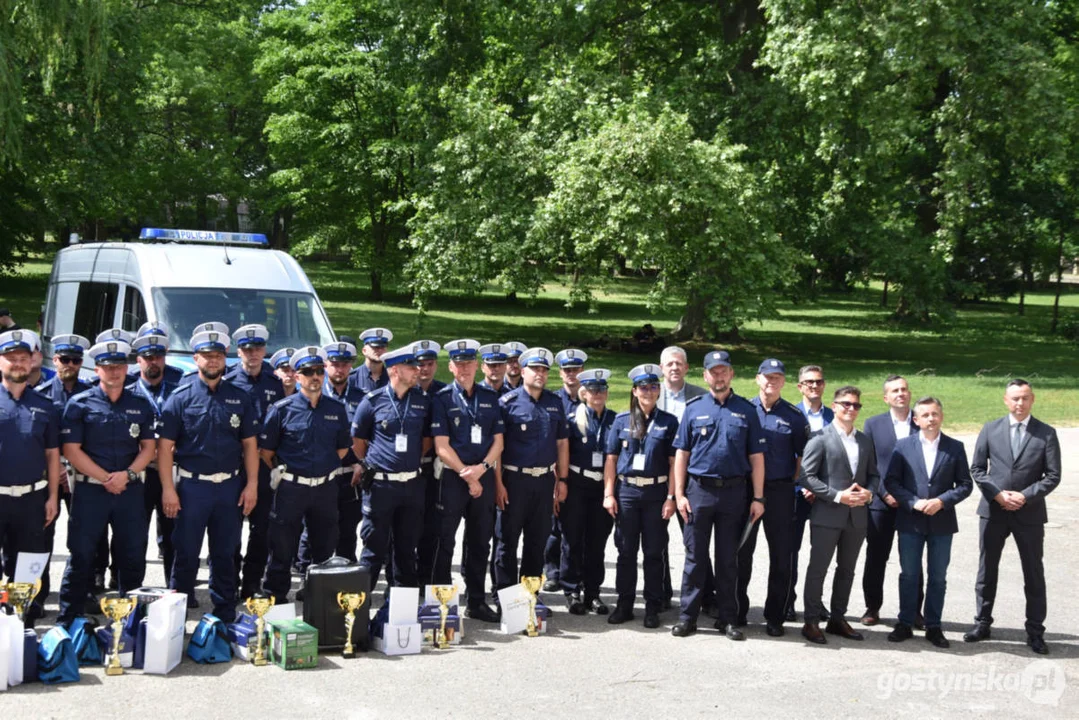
493,353
70,345
594,379
463,349
253,334
307,356
210,342
717,357
153,327
376,336
426,349
772,366
514,349
341,351
400,356
110,352
571,358
281,357
151,345
14,340
647,374
536,356
114,334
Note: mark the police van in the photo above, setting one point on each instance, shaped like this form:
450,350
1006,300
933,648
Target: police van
181,278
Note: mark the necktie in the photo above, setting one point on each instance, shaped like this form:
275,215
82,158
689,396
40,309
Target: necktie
1017,439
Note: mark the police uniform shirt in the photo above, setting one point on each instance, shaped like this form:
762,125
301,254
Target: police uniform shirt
170,373
435,386
533,428
208,426
500,392
360,378
306,439
657,445
28,427
453,415
381,417
108,431
786,431
350,397
265,389
720,437
156,395
569,403
54,390
593,440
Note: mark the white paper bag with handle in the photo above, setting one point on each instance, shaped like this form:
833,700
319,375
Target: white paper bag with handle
165,633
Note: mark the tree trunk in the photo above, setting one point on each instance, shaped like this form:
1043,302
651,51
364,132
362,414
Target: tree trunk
1060,282
279,233
691,325
884,295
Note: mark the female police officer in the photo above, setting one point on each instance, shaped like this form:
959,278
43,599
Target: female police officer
639,457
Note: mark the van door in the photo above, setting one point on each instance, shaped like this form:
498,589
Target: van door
134,309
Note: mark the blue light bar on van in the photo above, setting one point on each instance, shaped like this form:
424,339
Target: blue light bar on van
203,236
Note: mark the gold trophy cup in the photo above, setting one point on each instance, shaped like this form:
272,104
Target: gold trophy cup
116,608
443,593
350,602
532,585
21,594
258,606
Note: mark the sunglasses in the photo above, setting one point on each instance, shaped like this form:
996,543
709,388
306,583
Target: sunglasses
848,405
812,382
71,361
312,371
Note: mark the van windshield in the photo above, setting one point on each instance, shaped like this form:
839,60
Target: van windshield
293,319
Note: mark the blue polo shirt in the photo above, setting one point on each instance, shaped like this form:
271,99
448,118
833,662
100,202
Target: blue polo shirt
54,390
381,416
592,440
533,428
453,414
265,388
720,437
657,444
209,426
28,427
109,432
306,439
786,430
360,378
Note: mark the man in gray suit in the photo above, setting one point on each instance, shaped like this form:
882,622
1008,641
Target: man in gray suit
839,467
1016,464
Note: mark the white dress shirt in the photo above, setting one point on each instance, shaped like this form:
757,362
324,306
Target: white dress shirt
816,419
929,452
850,444
675,402
901,427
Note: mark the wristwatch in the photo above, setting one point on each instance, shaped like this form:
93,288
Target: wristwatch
486,465
132,476
760,500
670,497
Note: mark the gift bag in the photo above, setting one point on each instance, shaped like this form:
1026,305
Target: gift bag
164,625
57,662
84,639
210,641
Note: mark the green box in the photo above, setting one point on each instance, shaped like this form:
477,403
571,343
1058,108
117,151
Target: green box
293,644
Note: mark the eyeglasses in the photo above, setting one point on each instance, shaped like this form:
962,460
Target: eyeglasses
811,382
848,405
312,371
71,361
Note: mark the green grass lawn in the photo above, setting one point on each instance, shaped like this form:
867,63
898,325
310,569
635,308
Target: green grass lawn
965,361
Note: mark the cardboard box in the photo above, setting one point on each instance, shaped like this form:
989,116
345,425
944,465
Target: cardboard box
431,620
293,644
242,632
164,623
127,646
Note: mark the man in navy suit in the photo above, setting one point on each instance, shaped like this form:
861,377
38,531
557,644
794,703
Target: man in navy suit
884,430
1016,464
928,476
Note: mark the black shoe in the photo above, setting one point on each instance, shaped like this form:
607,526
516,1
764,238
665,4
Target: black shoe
596,605
936,636
900,633
710,610
1037,644
919,622
977,633
811,632
481,612
651,620
576,607
742,622
730,630
790,616
684,628
620,615
774,630
551,586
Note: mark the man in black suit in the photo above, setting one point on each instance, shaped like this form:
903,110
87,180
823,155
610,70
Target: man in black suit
1016,464
928,476
839,467
884,430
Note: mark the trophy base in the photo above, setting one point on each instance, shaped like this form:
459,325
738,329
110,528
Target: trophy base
259,662
348,654
112,671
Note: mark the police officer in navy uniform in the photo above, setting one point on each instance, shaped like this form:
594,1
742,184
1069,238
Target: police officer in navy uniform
391,433
170,373
426,352
535,464
372,374
282,368
67,358
255,376
786,431
467,426
29,453
493,366
38,373
513,350
640,455
108,436
719,459
585,524
151,384
339,358
215,327
208,428
308,433
570,362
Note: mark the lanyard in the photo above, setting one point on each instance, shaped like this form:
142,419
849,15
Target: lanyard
393,403
598,430
150,396
459,395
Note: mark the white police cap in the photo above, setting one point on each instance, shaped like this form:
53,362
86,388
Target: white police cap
217,327
307,356
70,345
340,350
514,349
400,356
13,340
426,349
646,374
210,341
594,379
253,334
281,357
536,356
376,336
151,344
463,349
152,327
114,334
571,358
110,352
493,353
